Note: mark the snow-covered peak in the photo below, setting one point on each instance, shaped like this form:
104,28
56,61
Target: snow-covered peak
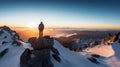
11,47
8,36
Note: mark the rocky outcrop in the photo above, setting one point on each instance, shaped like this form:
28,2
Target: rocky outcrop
17,43
41,59
92,59
32,40
95,55
24,58
40,56
56,57
55,54
2,53
117,37
113,37
1,32
55,51
107,37
40,43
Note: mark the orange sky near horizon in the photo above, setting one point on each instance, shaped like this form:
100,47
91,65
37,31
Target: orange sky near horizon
53,26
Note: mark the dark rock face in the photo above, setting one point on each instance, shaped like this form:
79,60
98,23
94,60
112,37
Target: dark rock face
3,52
4,42
55,54
41,59
42,56
6,28
32,41
41,52
16,43
92,59
112,38
56,57
24,58
95,55
107,37
41,43
55,51
117,37
119,41
1,32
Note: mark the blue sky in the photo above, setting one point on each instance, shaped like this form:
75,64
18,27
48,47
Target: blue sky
77,13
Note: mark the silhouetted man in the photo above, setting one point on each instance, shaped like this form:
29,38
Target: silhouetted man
41,28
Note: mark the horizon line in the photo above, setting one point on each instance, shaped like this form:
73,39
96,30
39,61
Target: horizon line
70,27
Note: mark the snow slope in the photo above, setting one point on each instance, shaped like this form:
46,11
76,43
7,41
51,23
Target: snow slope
72,59
111,53
114,61
12,57
103,50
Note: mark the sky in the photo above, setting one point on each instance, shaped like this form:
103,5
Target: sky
61,13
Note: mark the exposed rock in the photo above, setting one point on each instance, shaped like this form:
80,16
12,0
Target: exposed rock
107,38
56,54
17,43
95,55
42,58
4,42
48,37
6,28
42,43
1,32
41,52
16,36
3,52
55,51
56,57
48,42
117,37
32,41
5,37
119,41
92,59
112,38
24,58
85,46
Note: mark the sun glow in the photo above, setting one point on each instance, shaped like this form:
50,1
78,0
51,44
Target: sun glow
31,25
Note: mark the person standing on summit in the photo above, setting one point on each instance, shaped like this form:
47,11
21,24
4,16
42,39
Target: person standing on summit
41,28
